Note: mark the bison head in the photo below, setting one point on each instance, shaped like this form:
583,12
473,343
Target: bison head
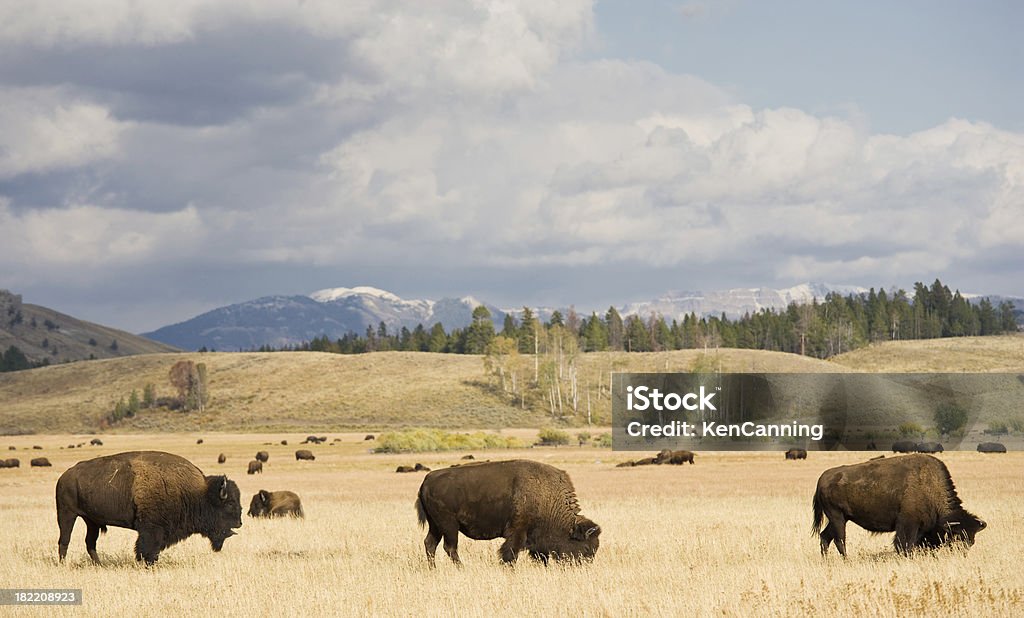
224,510
958,527
260,505
581,544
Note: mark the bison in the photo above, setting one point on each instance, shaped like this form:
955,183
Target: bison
467,457
40,462
646,461
304,454
284,442
254,467
913,496
531,505
163,497
199,441
275,504
904,446
222,458
262,456
796,453
405,469
96,442
677,458
991,447
10,463
421,468
929,447
12,448
369,436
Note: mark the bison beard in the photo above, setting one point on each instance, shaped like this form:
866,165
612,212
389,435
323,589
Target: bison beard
531,505
913,496
162,496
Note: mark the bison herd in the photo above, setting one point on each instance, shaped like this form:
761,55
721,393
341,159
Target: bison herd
531,505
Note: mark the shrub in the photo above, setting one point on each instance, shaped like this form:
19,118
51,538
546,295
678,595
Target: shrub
909,429
423,440
550,436
603,440
949,418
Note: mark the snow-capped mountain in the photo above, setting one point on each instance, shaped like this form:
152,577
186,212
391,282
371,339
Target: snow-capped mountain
286,320
737,301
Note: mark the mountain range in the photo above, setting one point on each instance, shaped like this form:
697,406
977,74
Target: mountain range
287,320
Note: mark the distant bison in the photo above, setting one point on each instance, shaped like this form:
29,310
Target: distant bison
71,446
929,447
913,496
625,464
421,468
304,454
40,462
531,505
904,446
646,461
467,457
37,448
284,442
222,458
163,497
96,442
991,447
12,448
796,453
199,441
10,463
405,469
369,436
675,458
254,467
275,504
263,456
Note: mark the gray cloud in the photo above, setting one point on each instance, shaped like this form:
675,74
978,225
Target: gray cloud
154,163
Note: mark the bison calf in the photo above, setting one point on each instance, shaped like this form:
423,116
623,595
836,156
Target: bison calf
531,505
163,497
275,504
254,467
911,495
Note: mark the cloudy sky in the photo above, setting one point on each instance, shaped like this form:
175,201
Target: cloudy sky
159,159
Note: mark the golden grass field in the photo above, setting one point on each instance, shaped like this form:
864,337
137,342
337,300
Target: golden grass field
728,536
303,391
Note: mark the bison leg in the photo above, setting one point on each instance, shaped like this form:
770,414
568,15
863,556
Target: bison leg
826,536
430,544
92,533
906,536
66,523
513,545
148,545
451,545
837,524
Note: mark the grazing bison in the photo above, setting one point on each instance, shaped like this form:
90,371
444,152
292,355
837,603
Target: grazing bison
531,505
913,496
929,447
12,448
275,504
199,441
10,463
991,447
40,462
678,458
405,469
262,456
796,453
37,448
254,467
161,496
284,442
904,446
222,458
96,442
304,454
369,436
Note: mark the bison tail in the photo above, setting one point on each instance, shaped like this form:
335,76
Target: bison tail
421,513
818,513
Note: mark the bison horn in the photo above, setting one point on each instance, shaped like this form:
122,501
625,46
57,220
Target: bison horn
224,489
983,524
596,530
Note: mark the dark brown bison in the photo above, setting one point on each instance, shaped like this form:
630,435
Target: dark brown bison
10,463
284,442
304,454
275,504
71,446
40,462
405,469
796,453
12,448
222,458
677,458
254,467
421,468
913,496
96,442
929,447
369,436
199,441
262,456
161,496
531,505
467,457
904,446
991,447
37,448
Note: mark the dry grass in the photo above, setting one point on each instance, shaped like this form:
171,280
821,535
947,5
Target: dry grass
970,354
728,536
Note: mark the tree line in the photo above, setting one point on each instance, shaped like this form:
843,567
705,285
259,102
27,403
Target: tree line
835,325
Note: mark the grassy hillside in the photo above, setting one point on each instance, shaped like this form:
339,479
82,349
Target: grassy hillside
42,333
309,391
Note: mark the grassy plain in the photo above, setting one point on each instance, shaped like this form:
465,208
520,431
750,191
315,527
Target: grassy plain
728,536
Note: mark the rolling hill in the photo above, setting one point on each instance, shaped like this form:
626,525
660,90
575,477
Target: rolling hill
44,334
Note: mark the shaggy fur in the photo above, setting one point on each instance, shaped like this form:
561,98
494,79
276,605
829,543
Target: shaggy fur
275,504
